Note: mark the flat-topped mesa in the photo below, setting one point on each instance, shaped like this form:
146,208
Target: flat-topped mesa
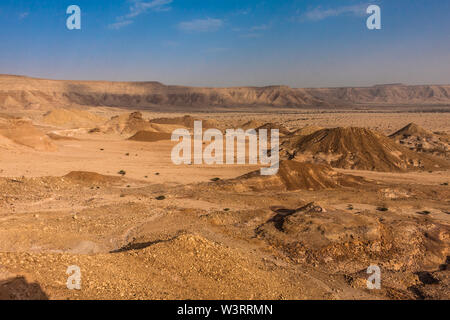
16,92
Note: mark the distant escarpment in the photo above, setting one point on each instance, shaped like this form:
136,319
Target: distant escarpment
30,93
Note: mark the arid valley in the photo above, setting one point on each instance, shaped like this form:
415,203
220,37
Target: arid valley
86,179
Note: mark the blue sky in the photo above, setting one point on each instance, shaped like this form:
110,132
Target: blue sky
299,43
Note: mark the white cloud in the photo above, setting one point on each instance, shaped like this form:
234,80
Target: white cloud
320,13
253,32
139,7
170,44
23,15
261,27
251,35
242,12
120,24
201,25
216,50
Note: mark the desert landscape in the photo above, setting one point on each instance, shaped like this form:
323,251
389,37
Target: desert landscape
87,180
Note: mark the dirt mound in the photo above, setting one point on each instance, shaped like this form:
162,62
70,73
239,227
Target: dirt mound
186,121
358,148
7,144
252,124
307,130
205,265
86,177
411,129
128,123
150,136
186,243
281,128
71,118
10,103
55,136
15,287
143,130
290,141
23,132
418,139
293,175
6,116
188,266
330,238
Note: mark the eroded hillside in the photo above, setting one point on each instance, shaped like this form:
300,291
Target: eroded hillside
30,93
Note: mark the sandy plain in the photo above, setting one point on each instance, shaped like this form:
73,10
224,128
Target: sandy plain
161,231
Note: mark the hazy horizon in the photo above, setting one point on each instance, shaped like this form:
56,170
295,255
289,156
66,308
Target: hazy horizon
300,44
218,87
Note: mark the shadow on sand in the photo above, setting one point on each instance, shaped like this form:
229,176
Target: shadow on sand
19,288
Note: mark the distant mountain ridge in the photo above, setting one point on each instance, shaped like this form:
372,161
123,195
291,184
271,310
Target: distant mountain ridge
32,93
